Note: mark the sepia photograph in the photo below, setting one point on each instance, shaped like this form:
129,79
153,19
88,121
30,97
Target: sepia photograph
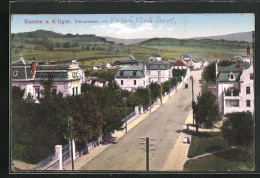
132,92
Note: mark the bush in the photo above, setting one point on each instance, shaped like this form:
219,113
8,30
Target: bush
67,45
206,143
238,128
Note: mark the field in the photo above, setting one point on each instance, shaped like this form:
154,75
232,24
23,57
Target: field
91,50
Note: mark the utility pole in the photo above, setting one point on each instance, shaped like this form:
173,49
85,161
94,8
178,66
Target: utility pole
147,153
150,101
192,102
161,94
169,90
124,99
147,148
71,146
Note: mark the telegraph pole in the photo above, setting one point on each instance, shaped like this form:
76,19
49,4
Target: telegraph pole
161,94
150,101
192,102
147,153
147,148
71,146
124,99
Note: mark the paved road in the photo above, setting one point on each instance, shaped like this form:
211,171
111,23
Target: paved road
163,125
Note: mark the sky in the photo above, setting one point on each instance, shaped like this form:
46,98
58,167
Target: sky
133,26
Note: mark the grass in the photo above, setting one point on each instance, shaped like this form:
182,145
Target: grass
237,159
109,52
206,142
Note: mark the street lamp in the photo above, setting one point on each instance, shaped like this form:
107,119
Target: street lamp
124,99
191,77
71,146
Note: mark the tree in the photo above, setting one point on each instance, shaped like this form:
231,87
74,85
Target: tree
225,63
209,73
87,121
57,45
206,109
67,45
155,90
238,128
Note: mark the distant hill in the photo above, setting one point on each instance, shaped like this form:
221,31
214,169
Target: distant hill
124,41
53,35
244,36
200,43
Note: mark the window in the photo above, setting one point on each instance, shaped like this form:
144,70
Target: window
37,93
247,103
134,73
73,91
76,90
231,76
247,90
54,90
134,82
251,77
122,82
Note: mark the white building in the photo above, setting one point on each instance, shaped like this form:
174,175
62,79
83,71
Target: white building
130,78
159,71
180,64
155,57
29,75
235,88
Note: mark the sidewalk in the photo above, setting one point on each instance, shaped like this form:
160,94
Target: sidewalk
179,152
118,134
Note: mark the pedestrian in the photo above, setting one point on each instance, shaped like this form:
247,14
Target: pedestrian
185,140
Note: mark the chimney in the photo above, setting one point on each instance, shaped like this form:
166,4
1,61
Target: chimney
248,50
33,67
239,64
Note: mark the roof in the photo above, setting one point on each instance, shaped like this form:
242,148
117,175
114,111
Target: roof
224,77
156,55
158,65
224,72
53,67
130,72
234,67
130,68
180,63
21,63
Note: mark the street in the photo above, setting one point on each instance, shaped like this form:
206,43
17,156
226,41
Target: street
163,125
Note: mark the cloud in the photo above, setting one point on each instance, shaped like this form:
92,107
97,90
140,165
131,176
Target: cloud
120,30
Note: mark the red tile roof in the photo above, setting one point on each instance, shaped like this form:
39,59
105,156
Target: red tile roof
180,63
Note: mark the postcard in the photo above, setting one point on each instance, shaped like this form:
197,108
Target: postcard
132,92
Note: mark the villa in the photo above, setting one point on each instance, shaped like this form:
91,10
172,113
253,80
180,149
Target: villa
130,78
29,75
235,87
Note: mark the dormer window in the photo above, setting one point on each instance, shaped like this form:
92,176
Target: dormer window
121,73
15,73
231,76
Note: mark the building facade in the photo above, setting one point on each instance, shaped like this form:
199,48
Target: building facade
130,78
180,64
158,71
235,88
29,76
154,57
